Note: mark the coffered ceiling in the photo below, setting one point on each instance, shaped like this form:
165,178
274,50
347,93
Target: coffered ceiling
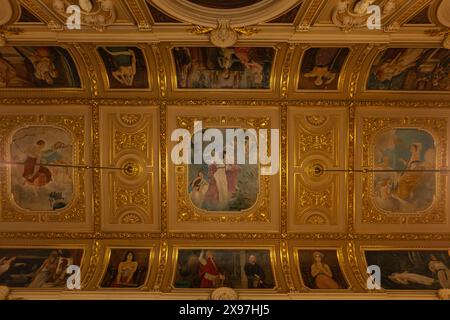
302,33
106,97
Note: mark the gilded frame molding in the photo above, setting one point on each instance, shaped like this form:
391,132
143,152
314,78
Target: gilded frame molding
175,246
149,63
102,267
73,119
364,93
52,92
371,122
340,249
84,245
349,234
362,247
190,221
130,137
295,71
175,92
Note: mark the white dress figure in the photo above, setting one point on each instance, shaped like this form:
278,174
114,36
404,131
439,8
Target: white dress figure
407,277
222,186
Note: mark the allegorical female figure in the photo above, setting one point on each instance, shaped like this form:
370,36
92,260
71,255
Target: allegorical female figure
46,272
409,181
441,270
42,175
211,198
35,170
126,270
223,184
199,188
321,272
406,278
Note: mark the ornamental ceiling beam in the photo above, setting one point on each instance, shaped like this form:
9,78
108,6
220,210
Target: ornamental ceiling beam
308,13
404,12
140,14
41,12
319,34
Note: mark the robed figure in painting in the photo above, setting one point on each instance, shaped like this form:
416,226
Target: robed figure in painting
210,276
409,181
46,272
440,270
222,185
255,273
321,272
42,175
35,172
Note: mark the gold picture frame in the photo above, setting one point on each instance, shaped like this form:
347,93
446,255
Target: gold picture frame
75,120
111,245
175,246
399,246
84,245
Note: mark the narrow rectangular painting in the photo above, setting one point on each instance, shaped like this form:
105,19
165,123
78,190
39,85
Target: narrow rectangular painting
125,66
224,187
320,269
37,268
412,188
37,67
321,68
412,269
127,268
414,69
233,268
42,182
223,68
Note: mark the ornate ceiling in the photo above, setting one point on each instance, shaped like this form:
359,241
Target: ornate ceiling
303,34
108,96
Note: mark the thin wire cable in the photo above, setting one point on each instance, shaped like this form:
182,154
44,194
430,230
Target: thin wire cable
318,170
382,170
87,167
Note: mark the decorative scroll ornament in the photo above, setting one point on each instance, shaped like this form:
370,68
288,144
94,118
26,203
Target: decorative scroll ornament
4,293
98,14
444,294
351,14
223,36
441,32
7,31
224,293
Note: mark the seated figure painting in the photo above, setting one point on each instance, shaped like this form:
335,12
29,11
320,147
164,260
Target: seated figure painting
127,268
320,269
409,188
